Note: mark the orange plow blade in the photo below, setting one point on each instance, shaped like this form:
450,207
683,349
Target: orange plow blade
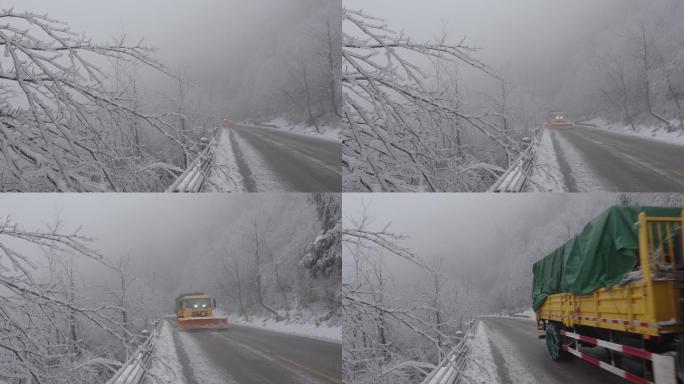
191,323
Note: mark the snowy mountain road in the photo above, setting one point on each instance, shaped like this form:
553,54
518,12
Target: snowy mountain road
276,160
595,159
246,355
521,356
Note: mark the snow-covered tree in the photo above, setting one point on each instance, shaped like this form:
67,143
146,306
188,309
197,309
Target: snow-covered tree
392,334
405,126
46,322
67,123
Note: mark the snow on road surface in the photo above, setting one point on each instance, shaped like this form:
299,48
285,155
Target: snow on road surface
324,332
166,367
645,132
513,370
274,160
587,159
521,357
202,369
263,177
481,368
579,174
546,173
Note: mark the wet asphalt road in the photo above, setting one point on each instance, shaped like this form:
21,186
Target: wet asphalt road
304,164
624,163
245,355
531,352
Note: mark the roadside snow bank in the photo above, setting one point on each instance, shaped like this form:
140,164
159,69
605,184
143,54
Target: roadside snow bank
648,132
305,328
546,174
481,368
225,174
166,367
526,314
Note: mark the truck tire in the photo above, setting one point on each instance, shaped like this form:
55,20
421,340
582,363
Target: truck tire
554,343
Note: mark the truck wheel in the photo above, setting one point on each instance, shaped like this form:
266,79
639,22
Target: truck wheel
554,345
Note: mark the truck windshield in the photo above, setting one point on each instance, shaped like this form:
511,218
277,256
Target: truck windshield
196,303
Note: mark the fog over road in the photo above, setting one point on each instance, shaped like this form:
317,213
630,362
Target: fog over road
596,159
272,160
519,338
246,355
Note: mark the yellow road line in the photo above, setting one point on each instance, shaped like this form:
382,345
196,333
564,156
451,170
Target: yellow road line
310,370
678,172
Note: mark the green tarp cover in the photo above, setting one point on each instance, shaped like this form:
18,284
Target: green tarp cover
598,257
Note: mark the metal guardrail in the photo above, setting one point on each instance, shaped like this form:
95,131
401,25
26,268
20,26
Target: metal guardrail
133,371
195,177
516,177
450,369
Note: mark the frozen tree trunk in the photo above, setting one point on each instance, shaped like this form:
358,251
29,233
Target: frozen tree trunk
647,82
280,285
436,305
675,97
625,100
617,75
72,314
124,285
236,271
257,257
307,93
381,325
504,97
183,123
332,48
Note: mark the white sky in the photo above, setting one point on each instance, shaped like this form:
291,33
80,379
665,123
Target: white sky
470,231
535,38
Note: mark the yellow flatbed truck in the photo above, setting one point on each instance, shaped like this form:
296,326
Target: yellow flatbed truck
618,285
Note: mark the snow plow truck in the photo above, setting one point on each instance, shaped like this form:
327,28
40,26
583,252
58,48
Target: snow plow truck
558,120
613,295
196,311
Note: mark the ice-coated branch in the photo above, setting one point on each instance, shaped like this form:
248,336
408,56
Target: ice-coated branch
39,314
403,129
64,124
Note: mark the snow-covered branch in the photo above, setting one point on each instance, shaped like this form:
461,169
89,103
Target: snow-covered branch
404,128
65,125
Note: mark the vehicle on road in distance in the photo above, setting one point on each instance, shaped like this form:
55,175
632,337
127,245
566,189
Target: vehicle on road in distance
558,120
196,311
618,285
